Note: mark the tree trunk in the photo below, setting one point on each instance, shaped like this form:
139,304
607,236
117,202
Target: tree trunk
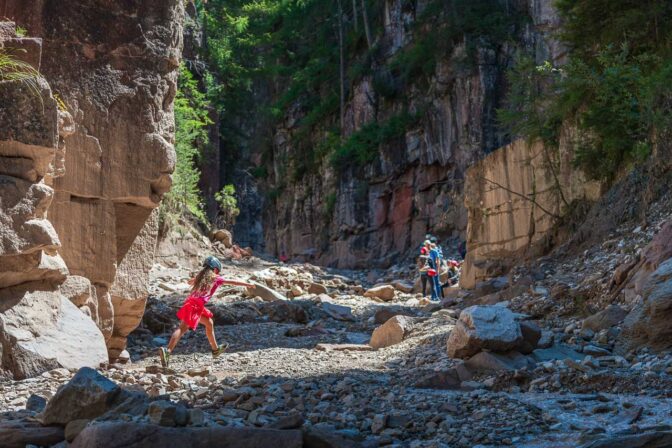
365,19
342,62
354,15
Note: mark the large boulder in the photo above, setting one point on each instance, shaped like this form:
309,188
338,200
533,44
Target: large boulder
223,236
265,293
43,330
391,332
139,435
648,324
484,327
86,396
652,256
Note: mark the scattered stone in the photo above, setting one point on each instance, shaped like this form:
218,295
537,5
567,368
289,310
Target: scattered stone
612,315
383,314
139,435
338,312
391,332
266,293
384,292
448,379
36,403
317,288
403,286
291,421
489,361
595,351
531,336
165,413
343,347
199,371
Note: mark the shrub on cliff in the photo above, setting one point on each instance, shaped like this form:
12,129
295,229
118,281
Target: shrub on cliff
615,87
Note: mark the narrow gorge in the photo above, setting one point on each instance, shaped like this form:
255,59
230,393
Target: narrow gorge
407,223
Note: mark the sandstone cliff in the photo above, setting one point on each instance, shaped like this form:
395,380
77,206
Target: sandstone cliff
516,198
39,327
114,68
372,214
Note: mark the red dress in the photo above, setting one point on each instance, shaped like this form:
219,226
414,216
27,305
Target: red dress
194,307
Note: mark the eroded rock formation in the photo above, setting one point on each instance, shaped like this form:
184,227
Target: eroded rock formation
113,66
39,327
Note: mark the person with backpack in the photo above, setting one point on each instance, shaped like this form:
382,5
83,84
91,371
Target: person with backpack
434,271
423,267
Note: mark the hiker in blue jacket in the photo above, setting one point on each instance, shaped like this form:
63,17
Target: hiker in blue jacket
434,271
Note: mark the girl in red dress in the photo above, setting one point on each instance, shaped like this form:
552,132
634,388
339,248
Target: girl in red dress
194,311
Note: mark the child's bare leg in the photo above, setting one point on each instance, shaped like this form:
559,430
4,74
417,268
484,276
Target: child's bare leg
209,331
177,334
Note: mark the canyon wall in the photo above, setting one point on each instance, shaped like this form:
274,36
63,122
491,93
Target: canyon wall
516,198
113,67
373,214
40,328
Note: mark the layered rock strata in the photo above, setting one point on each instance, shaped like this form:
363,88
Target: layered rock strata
40,328
114,67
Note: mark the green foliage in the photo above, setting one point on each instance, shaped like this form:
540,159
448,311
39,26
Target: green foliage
191,120
13,69
289,51
362,146
228,206
21,31
443,25
615,88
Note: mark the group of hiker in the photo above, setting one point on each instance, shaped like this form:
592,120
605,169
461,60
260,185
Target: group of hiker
432,265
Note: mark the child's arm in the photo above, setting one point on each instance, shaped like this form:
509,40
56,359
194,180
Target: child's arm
235,283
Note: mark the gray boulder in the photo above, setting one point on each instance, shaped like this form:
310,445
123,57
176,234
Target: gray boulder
484,327
86,396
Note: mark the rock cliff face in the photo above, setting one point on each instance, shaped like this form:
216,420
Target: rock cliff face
39,327
515,198
113,66
370,215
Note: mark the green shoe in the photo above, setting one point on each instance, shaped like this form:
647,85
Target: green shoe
164,355
221,349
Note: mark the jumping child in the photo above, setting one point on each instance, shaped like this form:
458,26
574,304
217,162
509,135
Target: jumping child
194,311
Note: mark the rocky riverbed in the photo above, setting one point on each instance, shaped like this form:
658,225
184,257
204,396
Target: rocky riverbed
326,358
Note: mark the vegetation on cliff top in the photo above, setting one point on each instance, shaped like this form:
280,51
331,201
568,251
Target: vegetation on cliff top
294,64
615,88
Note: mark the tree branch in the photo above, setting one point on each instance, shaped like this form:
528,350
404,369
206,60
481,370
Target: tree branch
553,215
